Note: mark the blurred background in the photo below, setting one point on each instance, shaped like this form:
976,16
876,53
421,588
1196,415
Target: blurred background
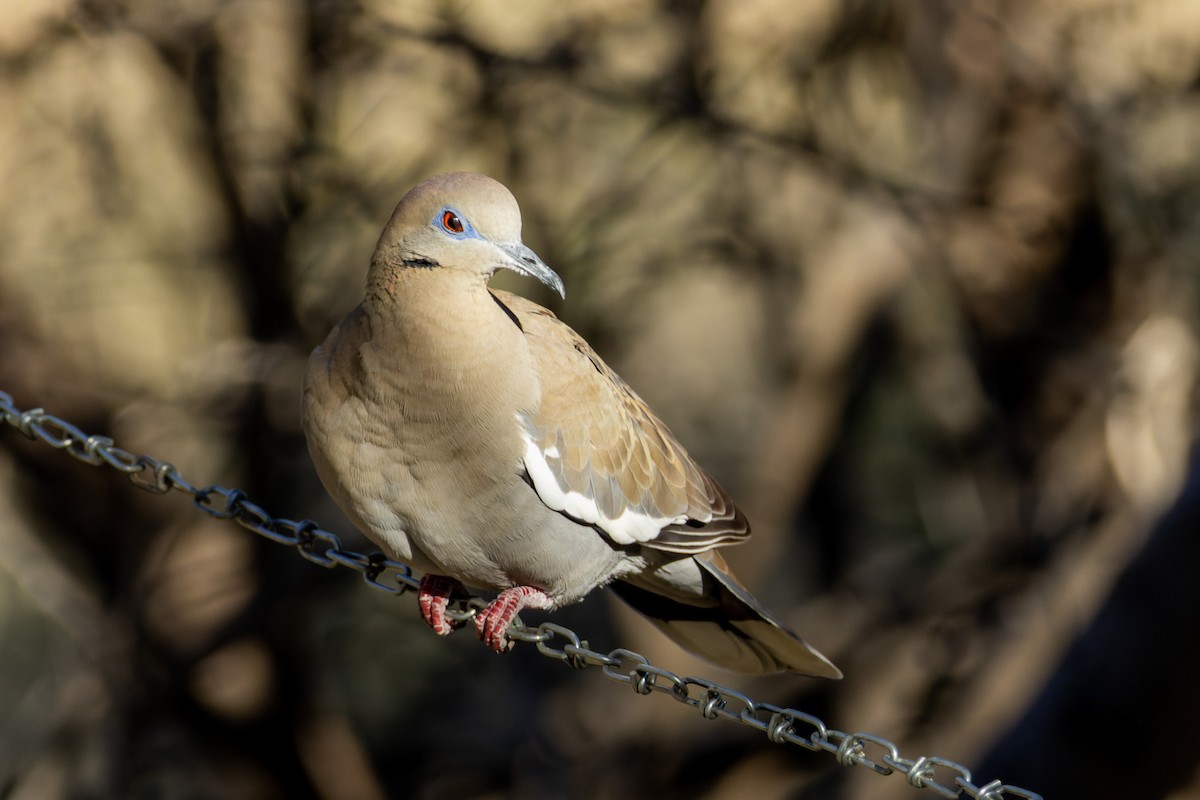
916,281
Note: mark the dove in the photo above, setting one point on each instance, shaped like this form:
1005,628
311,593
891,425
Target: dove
469,432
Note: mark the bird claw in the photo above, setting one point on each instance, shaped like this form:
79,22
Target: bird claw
433,597
492,622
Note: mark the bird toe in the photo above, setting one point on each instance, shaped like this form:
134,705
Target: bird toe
433,598
492,623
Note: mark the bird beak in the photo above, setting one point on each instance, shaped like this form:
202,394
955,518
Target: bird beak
522,260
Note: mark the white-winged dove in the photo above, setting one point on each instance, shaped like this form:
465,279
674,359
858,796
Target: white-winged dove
469,432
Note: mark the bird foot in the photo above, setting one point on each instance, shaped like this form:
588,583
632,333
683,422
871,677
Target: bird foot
492,622
433,596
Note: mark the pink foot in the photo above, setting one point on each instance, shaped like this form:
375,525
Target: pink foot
493,621
433,596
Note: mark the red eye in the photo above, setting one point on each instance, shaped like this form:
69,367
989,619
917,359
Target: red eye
451,222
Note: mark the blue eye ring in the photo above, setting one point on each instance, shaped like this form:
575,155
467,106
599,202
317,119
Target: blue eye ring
451,222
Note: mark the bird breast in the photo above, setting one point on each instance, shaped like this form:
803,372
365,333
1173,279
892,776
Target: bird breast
412,422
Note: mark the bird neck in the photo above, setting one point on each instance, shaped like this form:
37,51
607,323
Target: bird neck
443,329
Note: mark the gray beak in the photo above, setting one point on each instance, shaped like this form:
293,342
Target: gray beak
522,260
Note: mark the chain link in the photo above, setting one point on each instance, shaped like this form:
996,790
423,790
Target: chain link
712,700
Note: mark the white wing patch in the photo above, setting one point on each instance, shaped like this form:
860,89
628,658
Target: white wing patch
629,527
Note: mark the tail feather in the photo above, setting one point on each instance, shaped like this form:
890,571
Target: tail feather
726,625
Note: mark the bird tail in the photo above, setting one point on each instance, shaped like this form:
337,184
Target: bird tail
725,624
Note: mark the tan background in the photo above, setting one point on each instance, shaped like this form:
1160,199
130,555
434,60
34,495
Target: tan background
916,281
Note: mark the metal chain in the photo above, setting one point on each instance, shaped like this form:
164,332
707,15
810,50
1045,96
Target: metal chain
781,725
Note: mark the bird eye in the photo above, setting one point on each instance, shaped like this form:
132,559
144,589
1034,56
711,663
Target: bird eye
451,222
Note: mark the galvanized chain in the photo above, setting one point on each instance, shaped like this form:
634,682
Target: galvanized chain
781,725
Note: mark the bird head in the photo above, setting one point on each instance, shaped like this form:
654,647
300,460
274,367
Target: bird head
460,221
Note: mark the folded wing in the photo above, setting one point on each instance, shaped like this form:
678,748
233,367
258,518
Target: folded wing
595,451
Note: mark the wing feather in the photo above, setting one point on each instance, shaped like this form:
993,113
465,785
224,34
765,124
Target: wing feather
608,461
